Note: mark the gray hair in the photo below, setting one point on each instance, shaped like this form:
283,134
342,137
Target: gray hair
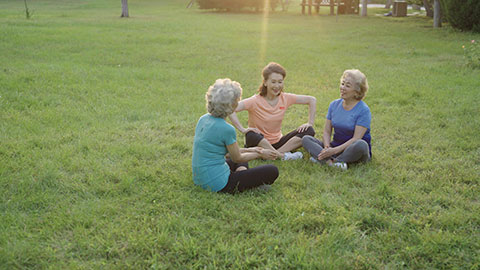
222,97
360,81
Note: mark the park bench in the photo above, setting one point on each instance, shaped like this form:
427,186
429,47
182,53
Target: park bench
344,6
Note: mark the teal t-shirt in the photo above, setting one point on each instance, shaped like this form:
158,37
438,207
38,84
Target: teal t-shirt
212,135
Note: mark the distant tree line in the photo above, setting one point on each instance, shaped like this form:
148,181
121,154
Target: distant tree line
461,14
237,5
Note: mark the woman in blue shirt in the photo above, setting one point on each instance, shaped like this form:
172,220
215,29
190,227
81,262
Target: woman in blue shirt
350,119
215,138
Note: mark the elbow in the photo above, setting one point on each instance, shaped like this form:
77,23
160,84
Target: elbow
354,139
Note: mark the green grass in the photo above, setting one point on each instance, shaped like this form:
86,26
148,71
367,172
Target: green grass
97,116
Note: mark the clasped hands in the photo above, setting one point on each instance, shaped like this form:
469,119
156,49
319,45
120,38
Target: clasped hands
326,153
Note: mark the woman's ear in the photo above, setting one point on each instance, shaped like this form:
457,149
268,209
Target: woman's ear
357,95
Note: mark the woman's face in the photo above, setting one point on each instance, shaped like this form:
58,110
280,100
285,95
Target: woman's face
274,84
347,88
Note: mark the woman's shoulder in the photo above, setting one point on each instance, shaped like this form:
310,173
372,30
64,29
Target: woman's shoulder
288,95
204,117
250,101
336,102
208,118
363,105
216,123
220,123
253,98
289,98
225,129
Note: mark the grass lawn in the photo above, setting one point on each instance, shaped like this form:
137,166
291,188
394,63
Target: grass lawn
97,117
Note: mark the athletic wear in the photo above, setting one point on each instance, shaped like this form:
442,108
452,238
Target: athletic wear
252,139
356,152
268,119
209,168
250,178
344,122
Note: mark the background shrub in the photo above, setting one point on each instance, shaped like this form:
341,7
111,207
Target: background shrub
463,14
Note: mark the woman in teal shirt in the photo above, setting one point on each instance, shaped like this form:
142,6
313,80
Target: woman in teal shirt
215,138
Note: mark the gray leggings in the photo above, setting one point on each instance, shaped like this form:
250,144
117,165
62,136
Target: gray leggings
356,152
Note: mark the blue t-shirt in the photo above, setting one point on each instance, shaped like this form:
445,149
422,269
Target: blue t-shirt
344,122
212,135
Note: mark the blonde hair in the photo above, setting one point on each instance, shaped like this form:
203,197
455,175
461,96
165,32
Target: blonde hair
222,97
359,80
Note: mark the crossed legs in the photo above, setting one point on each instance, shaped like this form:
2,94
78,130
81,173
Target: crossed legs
242,178
356,152
287,143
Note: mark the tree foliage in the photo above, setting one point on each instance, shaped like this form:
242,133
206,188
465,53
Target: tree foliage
462,14
235,5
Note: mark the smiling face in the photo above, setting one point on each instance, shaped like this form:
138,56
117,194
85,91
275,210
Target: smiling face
348,88
274,85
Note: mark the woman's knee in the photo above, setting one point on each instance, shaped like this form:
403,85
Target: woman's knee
362,148
307,139
252,139
361,145
308,132
272,173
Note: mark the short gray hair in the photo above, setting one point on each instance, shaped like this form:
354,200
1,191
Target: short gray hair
222,97
360,80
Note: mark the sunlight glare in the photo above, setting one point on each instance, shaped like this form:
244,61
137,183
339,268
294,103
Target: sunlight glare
264,33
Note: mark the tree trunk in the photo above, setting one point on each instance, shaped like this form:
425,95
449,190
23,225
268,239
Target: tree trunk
124,8
364,7
27,12
388,4
437,14
428,8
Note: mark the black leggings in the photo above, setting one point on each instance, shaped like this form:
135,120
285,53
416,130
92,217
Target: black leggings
252,139
249,178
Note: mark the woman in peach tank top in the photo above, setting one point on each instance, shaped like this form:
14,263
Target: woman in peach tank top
266,111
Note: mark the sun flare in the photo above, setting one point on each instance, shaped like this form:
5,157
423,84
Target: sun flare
264,33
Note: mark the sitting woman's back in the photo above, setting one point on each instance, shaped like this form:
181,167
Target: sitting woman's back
215,138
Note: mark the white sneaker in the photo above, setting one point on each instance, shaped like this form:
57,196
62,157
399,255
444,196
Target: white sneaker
341,165
292,156
314,160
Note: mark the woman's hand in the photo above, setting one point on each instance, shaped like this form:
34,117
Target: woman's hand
268,154
303,127
326,153
252,129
